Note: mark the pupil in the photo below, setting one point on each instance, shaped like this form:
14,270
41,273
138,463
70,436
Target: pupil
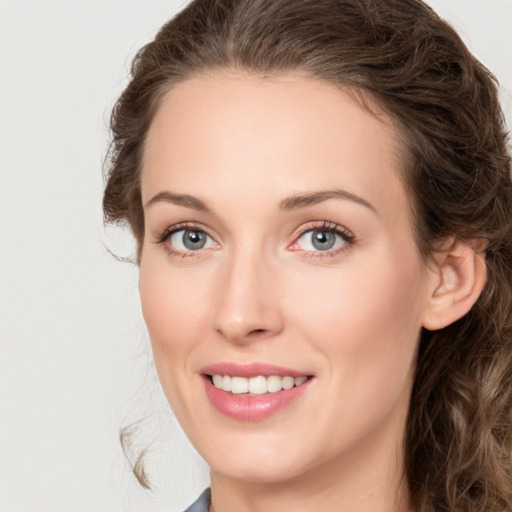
323,240
194,240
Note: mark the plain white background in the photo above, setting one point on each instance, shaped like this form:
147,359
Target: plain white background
75,362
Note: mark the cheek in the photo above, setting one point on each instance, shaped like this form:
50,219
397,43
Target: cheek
366,319
170,308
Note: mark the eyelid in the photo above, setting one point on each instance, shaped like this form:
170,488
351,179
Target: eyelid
324,225
163,237
346,235
174,228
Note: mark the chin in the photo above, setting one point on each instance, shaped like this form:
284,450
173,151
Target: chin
256,461
262,471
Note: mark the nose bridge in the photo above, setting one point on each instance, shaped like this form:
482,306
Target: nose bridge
247,306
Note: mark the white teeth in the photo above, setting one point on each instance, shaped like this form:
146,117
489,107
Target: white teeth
217,380
226,383
300,380
273,383
256,385
239,385
288,382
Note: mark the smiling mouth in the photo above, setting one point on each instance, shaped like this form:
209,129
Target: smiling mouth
259,385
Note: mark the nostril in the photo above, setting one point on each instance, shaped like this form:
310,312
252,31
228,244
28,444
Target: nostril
256,331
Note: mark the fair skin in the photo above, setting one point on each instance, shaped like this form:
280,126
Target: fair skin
278,232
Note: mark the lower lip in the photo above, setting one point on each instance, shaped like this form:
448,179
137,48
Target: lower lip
252,408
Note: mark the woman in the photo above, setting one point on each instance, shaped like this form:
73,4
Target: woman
321,198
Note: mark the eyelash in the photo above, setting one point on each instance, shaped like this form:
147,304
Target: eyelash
345,234
167,234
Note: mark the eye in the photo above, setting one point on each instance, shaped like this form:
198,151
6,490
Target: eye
328,238
186,240
319,240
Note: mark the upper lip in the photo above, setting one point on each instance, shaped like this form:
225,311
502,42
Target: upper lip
251,370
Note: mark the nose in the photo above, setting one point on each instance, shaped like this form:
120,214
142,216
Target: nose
247,307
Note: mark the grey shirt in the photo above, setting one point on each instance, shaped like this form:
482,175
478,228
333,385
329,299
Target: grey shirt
202,503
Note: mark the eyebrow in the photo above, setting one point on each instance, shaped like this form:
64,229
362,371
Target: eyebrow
309,199
291,203
178,199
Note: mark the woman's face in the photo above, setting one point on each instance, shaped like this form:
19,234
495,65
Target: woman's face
278,252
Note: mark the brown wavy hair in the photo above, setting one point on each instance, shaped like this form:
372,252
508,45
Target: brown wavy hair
400,55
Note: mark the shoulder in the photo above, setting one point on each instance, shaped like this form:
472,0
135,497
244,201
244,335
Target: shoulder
202,503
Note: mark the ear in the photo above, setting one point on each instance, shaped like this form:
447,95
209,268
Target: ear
458,277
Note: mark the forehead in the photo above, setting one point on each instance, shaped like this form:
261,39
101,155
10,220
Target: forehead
269,135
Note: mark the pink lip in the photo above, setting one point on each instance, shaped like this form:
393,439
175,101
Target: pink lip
250,370
256,407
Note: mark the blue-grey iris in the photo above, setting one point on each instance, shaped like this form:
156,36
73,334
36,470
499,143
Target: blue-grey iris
323,240
194,240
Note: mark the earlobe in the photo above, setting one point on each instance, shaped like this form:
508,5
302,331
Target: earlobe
458,277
